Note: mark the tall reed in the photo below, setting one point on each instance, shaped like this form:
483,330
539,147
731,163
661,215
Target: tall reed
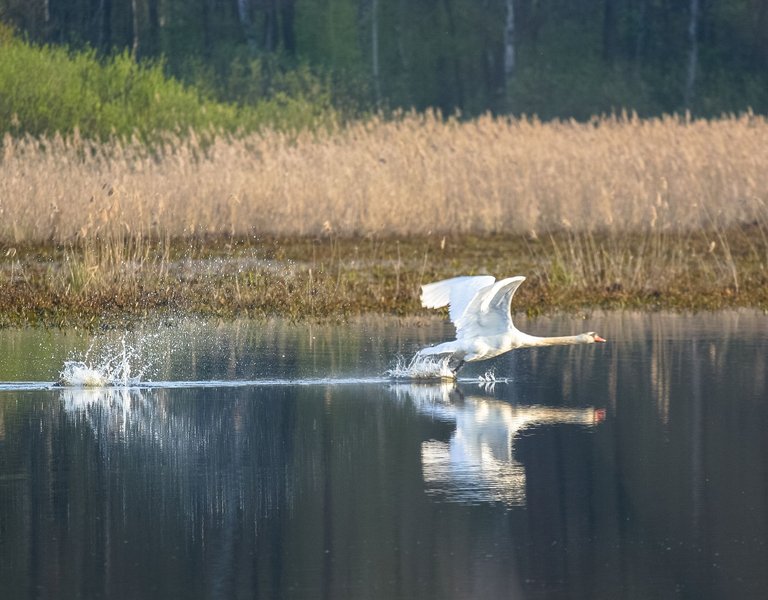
620,210
416,174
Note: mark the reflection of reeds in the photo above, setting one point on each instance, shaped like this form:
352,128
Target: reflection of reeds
671,341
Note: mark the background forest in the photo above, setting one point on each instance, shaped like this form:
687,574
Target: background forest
552,58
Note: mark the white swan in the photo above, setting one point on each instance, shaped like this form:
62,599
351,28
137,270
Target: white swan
479,309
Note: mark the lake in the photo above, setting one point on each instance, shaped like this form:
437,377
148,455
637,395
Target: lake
270,460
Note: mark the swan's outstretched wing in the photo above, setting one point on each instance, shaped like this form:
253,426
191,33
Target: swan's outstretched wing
488,312
456,293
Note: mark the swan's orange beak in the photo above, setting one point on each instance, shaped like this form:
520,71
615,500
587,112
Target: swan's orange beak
599,339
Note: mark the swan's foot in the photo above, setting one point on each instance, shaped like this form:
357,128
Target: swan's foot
454,364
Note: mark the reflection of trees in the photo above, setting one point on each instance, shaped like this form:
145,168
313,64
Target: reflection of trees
682,459
112,482
196,449
268,492
659,344
478,463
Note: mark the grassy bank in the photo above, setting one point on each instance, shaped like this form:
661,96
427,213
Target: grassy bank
319,278
618,212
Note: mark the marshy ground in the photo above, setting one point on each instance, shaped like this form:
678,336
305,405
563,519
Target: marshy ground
100,284
618,212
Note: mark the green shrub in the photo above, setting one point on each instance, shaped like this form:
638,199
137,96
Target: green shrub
49,89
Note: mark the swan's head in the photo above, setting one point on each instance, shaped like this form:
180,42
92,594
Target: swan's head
591,337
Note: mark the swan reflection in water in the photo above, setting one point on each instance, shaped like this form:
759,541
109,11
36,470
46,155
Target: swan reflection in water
478,465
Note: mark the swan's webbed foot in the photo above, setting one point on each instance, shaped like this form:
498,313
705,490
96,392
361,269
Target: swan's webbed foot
455,363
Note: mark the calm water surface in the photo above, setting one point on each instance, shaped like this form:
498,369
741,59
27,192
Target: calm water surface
275,461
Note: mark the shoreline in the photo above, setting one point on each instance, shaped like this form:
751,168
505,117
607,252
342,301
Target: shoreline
104,284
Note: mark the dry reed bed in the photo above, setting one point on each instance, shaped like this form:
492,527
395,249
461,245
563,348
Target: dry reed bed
413,175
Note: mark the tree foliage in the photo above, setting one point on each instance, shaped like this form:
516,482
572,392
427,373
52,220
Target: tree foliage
50,89
573,58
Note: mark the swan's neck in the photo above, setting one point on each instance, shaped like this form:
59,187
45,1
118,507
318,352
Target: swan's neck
561,340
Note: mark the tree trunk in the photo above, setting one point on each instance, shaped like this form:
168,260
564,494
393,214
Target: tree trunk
642,30
375,50
609,31
454,61
401,26
288,18
271,26
153,22
509,43
693,53
104,25
244,14
208,35
760,10
509,58
135,27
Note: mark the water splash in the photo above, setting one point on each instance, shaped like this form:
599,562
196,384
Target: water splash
422,368
488,380
112,367
488,377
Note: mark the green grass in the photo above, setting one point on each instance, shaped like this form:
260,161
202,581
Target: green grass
47,90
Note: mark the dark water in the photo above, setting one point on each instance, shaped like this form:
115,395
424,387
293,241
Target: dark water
633,469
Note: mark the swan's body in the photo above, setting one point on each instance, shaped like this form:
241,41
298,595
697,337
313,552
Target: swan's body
479,309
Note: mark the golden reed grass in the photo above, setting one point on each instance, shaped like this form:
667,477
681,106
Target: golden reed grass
412,175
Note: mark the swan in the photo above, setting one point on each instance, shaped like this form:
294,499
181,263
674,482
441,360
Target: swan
479,309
